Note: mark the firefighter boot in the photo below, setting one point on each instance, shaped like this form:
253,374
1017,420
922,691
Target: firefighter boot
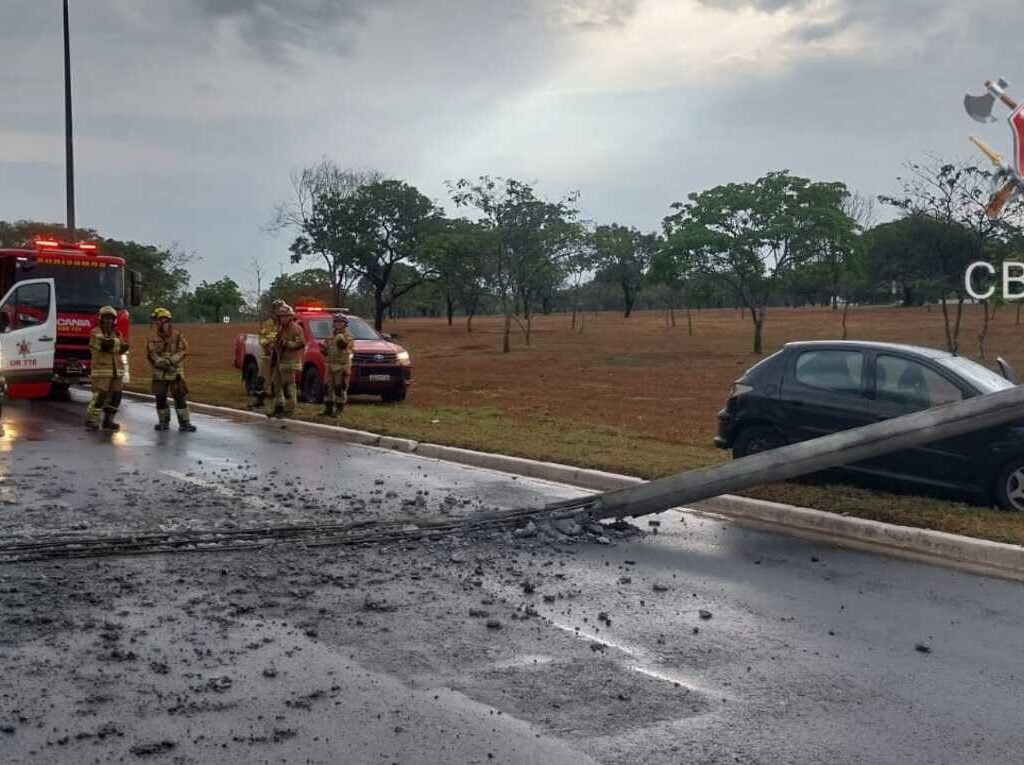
328,409
259,402
108,420
278,411
163,419
92,414
183,421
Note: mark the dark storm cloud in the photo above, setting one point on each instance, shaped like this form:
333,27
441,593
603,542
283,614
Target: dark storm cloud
759,5
595,14
272,27
879,14
191,113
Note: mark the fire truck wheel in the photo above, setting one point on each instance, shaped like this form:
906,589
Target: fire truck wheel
312,391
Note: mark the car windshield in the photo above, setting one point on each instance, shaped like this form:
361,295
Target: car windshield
81,288
982,378
321,328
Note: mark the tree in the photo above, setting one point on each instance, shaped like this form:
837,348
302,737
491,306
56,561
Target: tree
221,298
312,284
670,274
580,260
164,271
623,257
379,226
20,233
752,235
528,233
955,196
310,185
458,253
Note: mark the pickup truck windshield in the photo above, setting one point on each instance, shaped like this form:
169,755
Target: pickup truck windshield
321,328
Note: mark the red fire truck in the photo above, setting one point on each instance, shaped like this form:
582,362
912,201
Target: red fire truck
52,292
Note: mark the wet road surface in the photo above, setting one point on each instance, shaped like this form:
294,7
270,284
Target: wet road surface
705,642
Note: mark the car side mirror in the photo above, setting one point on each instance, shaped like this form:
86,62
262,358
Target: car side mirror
135,285
1007,371
387,336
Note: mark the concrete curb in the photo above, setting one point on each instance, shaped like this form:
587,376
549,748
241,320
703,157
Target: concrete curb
937,547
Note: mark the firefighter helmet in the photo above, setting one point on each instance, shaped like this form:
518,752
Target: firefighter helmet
285,310
160,313
340,317
107,311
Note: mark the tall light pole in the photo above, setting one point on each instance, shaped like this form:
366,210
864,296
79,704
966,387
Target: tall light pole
70,151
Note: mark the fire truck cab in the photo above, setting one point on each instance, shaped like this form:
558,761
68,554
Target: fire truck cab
66,282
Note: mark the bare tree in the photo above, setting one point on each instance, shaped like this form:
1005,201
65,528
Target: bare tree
309,184
258,273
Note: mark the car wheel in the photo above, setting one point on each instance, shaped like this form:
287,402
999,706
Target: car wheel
312,390
250,371
756,438
1010,487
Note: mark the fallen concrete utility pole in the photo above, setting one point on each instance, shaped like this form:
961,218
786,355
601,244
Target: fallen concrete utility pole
791,461
802,458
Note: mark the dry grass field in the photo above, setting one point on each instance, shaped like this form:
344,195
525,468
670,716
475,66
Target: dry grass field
633,396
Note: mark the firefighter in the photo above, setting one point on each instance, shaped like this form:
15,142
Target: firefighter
166,351
286,362
106,346
268,333
337,351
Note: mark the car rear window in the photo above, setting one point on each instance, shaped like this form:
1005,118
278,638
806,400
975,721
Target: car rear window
983,378
764,366
833,370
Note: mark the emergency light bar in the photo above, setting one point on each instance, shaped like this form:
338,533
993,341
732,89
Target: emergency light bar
53,244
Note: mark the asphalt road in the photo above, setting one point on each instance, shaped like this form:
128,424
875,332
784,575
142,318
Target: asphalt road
704,642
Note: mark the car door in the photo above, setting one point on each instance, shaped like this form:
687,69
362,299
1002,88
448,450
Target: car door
902,385
823,392
28,332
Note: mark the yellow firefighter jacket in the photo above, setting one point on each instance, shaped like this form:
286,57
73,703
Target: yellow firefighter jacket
106,353
166,355
338,350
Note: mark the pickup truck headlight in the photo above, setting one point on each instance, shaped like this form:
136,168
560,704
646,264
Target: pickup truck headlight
403,358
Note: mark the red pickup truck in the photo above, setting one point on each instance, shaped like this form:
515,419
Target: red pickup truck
379,366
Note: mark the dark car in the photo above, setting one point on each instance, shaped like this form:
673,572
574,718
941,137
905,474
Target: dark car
811,389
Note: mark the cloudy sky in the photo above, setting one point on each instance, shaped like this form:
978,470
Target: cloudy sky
190,114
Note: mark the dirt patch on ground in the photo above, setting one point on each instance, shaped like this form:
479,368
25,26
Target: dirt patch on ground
639,373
